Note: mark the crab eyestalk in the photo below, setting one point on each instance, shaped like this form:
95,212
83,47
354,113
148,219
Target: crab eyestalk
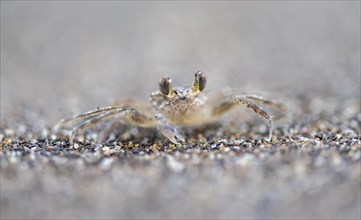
199,82
165,87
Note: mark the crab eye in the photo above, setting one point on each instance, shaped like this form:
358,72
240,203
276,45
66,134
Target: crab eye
199,83
165,86
202,80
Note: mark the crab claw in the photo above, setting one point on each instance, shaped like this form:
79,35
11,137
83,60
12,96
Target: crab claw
171,133
177,136
168,130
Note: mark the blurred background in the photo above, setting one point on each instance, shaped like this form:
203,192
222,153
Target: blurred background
66,57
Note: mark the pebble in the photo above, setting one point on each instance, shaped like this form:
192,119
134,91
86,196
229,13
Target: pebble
174,165
106,148
9,132
106,163
76,146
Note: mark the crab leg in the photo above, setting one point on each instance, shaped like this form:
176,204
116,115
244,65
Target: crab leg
108,130
236,100
129,115
85,115
274,104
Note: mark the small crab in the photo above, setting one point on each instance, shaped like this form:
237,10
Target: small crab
171,108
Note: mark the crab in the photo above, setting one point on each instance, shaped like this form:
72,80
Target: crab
169,109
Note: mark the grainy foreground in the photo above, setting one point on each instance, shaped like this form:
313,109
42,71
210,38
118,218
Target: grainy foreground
311,169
